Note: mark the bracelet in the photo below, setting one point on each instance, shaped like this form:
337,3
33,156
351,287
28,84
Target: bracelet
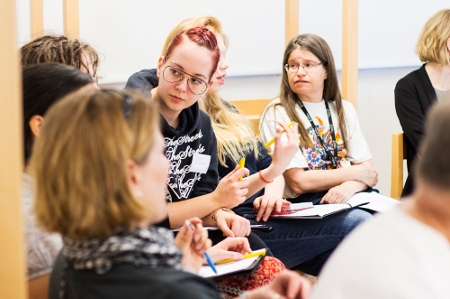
263,179
214,214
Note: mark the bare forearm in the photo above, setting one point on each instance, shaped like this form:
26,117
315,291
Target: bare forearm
200,207
256,183
301,181
276,188
355,186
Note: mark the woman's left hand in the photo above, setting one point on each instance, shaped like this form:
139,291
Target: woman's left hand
230,248
193,241
233,225
338,194
265,204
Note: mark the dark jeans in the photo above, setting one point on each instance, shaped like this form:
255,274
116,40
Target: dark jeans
306,244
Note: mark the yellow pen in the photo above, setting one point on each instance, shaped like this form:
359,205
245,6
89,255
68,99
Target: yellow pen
241,165
273,139
260,252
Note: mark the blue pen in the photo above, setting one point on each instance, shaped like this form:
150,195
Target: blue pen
208,258
210,262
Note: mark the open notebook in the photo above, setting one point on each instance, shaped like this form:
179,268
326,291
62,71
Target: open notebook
365,200
245,266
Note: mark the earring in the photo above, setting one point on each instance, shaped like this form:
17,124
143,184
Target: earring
139,194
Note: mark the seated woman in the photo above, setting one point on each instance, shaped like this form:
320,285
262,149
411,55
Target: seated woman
100,173
333,161
183,74
417,91
39,93
297,243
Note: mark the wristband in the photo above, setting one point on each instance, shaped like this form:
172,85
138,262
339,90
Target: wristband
214,214
263,179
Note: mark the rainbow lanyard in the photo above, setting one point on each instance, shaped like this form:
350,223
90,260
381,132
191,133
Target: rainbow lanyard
332,157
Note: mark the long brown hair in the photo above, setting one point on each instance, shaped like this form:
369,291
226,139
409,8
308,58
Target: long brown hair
331,93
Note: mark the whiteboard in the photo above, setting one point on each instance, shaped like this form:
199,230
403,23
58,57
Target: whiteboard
129,34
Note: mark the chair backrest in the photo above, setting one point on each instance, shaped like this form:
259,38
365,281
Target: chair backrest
398,155
252,109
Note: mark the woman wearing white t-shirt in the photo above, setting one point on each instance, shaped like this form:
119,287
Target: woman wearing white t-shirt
330,136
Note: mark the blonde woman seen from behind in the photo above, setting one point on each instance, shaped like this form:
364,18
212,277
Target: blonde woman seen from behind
104,196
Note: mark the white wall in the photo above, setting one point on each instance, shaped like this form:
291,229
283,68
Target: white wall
130,33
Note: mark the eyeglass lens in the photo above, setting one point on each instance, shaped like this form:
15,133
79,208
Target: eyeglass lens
172,74
307,67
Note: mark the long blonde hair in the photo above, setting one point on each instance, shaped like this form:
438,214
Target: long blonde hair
79,162
234,133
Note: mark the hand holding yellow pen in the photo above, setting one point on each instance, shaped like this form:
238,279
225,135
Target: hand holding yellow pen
272,141
260,252
241,165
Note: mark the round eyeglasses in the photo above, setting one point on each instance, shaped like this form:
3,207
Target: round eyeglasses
196,86
307,67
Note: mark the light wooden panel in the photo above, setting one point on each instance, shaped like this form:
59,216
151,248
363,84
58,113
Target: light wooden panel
291,19
71,18
252,109
37,18
398,155
350,51
12,251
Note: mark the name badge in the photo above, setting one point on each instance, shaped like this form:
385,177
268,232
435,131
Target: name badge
200,163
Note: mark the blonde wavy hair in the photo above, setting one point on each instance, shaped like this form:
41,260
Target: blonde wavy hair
79,162
234,133
432,43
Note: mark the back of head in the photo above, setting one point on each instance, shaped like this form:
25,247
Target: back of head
432,43
433,164
79,163
58,48
42,86
202,37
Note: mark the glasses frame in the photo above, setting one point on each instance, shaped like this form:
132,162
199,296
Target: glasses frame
286,67
184,74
